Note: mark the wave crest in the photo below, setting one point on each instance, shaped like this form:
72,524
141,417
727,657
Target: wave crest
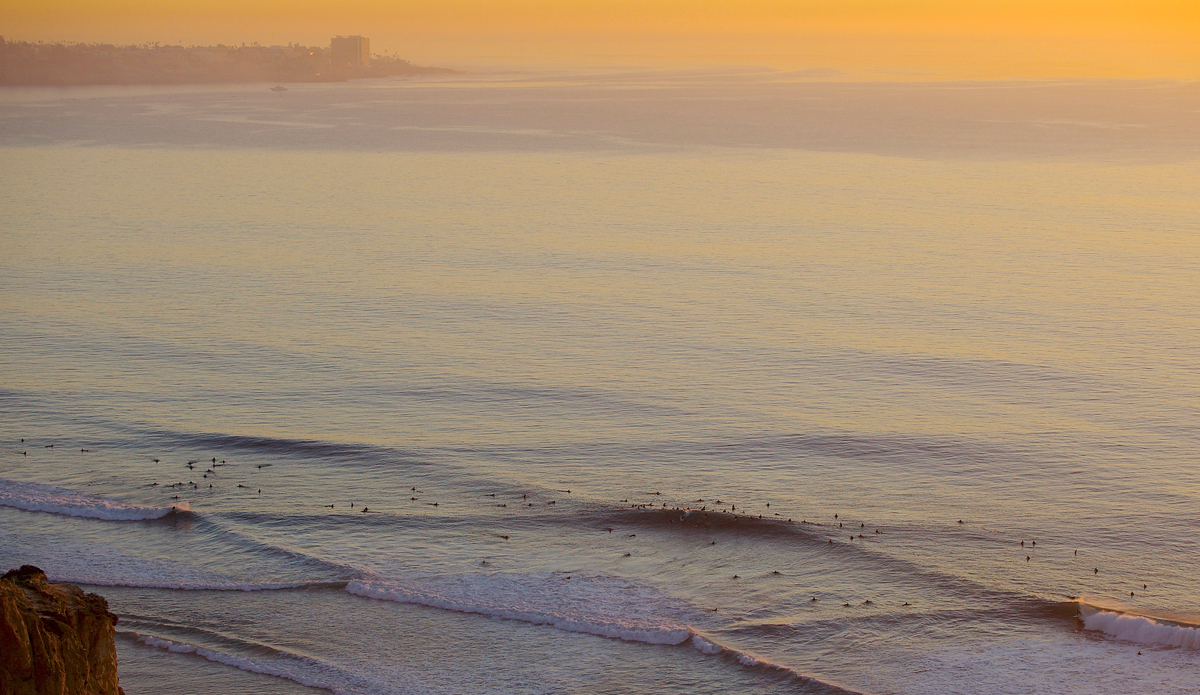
602,606
1138,628
290,667
36,497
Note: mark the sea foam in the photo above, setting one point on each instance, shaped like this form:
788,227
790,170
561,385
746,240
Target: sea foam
1138,628
36,497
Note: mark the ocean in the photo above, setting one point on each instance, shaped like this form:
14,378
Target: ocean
710,381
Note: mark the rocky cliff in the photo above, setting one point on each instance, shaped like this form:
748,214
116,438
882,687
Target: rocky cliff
54,639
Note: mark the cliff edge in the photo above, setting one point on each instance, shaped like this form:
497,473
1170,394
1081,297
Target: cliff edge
54,639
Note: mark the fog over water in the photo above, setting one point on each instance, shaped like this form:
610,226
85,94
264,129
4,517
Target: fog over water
567,336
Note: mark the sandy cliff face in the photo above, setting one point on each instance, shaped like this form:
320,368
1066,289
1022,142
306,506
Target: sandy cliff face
54,639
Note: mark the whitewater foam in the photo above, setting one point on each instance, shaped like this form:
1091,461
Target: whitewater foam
36,497
1138,628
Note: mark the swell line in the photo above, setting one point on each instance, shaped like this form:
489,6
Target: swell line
633,626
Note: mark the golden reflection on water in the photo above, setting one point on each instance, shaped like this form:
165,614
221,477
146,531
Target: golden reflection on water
714,280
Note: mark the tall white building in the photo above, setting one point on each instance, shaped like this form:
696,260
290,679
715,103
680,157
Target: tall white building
350,51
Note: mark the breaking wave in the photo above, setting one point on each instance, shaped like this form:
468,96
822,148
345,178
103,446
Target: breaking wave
1132,627
36,497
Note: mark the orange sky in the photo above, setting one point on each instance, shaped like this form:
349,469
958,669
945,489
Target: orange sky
911,39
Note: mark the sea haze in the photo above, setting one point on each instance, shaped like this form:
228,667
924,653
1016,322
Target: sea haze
709,382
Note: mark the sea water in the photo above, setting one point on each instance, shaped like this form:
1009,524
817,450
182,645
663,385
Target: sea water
650,382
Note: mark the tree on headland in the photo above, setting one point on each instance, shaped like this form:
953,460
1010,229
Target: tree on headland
66,64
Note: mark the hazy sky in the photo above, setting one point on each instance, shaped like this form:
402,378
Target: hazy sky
905,39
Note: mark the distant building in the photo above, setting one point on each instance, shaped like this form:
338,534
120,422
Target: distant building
350,51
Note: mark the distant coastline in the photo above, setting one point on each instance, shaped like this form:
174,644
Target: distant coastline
78,64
